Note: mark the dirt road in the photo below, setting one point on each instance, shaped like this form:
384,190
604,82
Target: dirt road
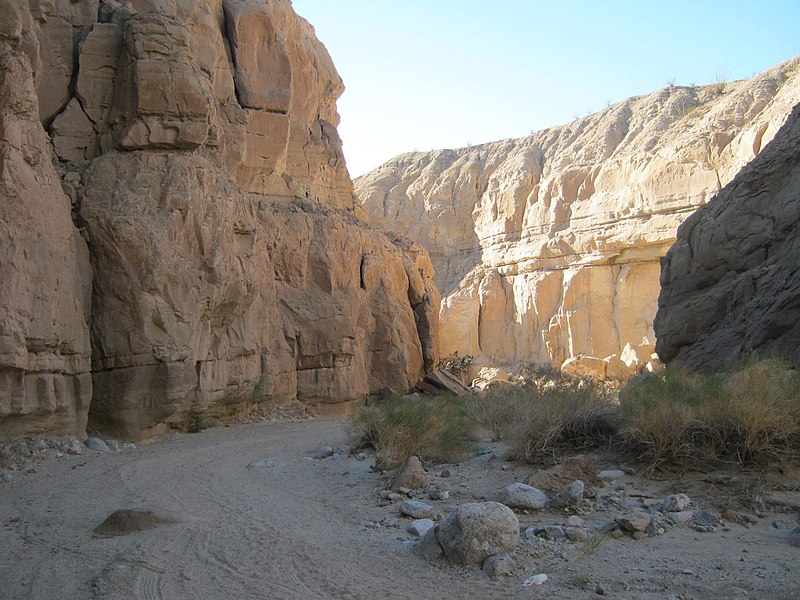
294,526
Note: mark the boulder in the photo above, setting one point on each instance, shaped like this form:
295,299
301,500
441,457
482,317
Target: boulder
476,531
523,497
411,475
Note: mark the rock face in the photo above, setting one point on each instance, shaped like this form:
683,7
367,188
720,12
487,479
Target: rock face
45,296
201,171
547,248
730,283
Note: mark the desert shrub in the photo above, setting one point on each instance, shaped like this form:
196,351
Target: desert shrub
749,415
460,366
435,428
549,415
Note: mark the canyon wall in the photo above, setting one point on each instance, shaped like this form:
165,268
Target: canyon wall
180,221
730,285
547,248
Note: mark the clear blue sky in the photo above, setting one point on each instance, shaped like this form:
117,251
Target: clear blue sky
424,74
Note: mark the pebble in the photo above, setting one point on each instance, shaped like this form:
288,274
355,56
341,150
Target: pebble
535,580
73,446
523,497
575,521
576,534
611,474
704,521
569,496
323,452
96,444
416,509
550,532
498,565
439,495
634,522
794,537
675,503
420,527
600,590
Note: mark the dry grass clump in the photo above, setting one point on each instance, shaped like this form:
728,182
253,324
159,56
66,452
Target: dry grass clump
751,415
552,414
435,428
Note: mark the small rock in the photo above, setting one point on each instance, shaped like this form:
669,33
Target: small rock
627,470
611,474
73,446
420,527
550,532
96,444
782,524
535,580
794,537
498,565
523,497
634,522
445,473
404,490
125,521
323,452
575,521
269,463
704,521
572,495
439,495
576,534
675,503
428,547
679,518
129,446
113,445
416,509
600,590
411,475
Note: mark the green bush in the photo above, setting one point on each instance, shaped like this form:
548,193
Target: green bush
552,414
435,428
747,416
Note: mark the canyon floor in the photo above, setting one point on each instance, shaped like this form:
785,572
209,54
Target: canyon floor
261,517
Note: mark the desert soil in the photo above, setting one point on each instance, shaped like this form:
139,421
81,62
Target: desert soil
298,526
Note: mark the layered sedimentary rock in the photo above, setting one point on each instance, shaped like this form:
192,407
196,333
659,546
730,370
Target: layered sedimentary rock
547,248
730,285
197,142
45,385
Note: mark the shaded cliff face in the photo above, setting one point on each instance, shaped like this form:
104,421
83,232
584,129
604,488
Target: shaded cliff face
197,151
730,284
547,248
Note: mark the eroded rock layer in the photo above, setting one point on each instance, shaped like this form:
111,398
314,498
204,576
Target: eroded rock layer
547,248
730,285
195,160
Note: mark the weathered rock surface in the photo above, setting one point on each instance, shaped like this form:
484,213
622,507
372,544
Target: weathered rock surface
547,248
730,283
45,274
197,149
523,497
476,531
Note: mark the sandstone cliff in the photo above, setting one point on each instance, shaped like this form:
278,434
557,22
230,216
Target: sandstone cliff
730,284
547,248
201,172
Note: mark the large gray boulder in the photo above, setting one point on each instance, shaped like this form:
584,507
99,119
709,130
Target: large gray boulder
476,531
